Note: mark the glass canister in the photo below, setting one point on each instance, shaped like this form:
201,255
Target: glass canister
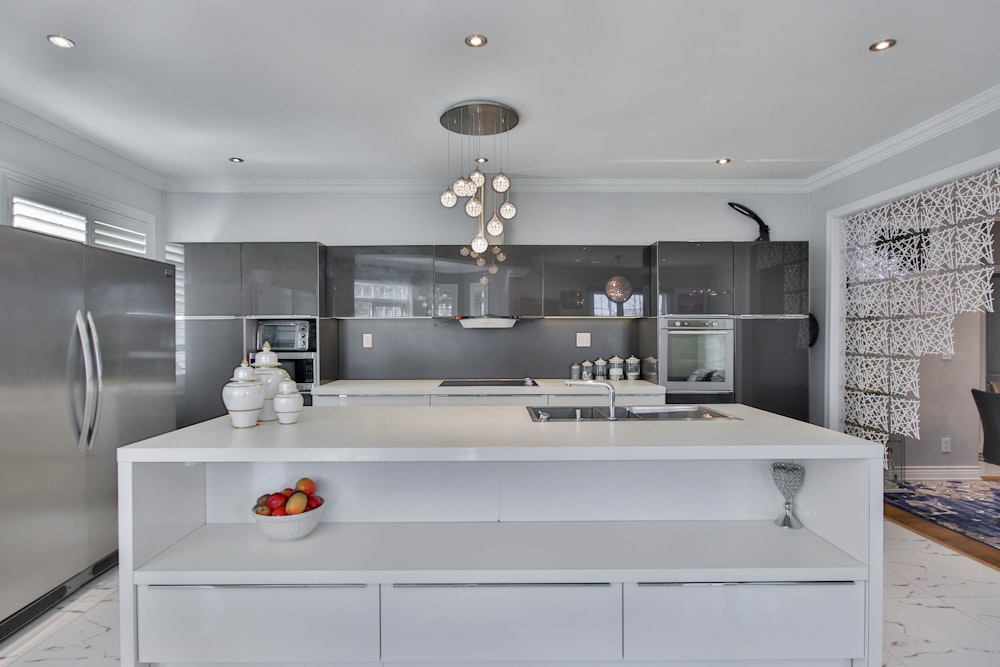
616,368
632,367
600,369
243,396
651,370
574,371
587,370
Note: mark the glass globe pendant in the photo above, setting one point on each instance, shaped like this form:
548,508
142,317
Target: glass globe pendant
618,289
501,182
508,210
448,198
478,178
473,207
495,226
479,243
463,187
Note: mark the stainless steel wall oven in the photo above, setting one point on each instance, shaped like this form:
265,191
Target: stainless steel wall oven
697,359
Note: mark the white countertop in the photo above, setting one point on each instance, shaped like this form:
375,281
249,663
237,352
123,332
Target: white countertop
497,433
543,386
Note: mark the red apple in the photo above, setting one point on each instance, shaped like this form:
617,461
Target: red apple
276,500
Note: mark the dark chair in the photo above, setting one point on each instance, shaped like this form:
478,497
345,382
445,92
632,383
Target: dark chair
988,405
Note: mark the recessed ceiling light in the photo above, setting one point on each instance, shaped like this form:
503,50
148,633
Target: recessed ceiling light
475,41
723,160
62,41
882,45
236,160
482,160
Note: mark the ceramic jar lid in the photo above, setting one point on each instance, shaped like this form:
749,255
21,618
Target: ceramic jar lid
266,358
288,387
244,373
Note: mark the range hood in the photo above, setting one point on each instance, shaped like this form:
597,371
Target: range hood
488,322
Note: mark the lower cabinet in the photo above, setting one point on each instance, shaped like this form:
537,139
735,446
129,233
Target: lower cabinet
245,624
763,621
498,622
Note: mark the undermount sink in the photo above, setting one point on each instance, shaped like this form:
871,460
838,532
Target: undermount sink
490,382
676,412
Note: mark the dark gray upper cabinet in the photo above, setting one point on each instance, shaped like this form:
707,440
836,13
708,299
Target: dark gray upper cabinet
514,290
694,278
380,281
284,279
772,278
212,279
576,280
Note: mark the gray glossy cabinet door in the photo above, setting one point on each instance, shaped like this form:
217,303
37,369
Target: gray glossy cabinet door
772,278
214,348
379,281
695,278
213,279
576,280
515,290
283,279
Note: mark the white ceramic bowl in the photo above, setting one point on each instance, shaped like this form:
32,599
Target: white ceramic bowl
289,527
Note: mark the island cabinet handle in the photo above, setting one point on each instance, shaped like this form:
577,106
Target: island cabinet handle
205,586
745,583
505,585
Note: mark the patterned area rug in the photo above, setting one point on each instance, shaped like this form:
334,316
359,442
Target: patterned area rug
971,508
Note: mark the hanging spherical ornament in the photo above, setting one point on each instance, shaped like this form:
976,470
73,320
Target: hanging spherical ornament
448,198
495,226
483,279
501,182
480,244
481,261
502,257
618,289
495,249
463,187
508,210
464,251
473,254
493,268
478,178
473,207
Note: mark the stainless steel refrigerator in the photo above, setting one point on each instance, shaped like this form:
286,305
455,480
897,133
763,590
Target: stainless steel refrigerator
86,365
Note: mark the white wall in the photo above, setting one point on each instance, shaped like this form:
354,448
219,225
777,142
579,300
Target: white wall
544,218
946,402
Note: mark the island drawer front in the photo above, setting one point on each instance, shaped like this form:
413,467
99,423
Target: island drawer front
327,401
245,624
490,399
764,621
502,622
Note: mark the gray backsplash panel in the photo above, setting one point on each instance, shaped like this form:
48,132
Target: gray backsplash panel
420,349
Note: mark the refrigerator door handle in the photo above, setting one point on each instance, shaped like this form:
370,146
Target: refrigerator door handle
99,373
88,381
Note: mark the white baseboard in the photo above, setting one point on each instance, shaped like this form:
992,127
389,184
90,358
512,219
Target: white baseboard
955,473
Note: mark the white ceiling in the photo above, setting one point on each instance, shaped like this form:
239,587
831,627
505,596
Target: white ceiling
623,89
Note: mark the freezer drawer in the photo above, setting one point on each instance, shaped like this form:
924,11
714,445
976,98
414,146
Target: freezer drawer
501,622
763,621
244,624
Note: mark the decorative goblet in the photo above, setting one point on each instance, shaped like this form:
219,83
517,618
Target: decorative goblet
788,478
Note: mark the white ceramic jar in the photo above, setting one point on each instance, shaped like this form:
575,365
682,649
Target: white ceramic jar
271,375
243,396
288,402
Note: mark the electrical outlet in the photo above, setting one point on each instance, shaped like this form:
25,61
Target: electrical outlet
946,445
583,339
366,340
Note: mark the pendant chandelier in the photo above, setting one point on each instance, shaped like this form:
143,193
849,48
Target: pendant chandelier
618,288
472,121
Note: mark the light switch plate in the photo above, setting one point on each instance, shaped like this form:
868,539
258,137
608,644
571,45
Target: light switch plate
366,340
583,339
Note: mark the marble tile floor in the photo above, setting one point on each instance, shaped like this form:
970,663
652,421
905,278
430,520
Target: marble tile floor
941,610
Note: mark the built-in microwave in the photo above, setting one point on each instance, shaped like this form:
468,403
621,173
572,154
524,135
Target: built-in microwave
287,335
301,367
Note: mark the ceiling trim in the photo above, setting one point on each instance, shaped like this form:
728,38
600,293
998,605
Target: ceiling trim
975,107
971,109
72,143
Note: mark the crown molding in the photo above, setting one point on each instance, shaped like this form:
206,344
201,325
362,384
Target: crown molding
971,109
65,140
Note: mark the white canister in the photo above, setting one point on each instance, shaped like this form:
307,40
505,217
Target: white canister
271,375
243,396
287,402
616,368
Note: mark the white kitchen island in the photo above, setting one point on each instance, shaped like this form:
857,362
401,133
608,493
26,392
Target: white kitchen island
476,536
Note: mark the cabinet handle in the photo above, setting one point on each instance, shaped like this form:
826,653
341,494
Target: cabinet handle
745,583
505,585
202,586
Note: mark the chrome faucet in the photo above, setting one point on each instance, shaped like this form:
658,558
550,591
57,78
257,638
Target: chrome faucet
611,393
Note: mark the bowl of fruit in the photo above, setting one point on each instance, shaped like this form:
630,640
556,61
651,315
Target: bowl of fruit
290,513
